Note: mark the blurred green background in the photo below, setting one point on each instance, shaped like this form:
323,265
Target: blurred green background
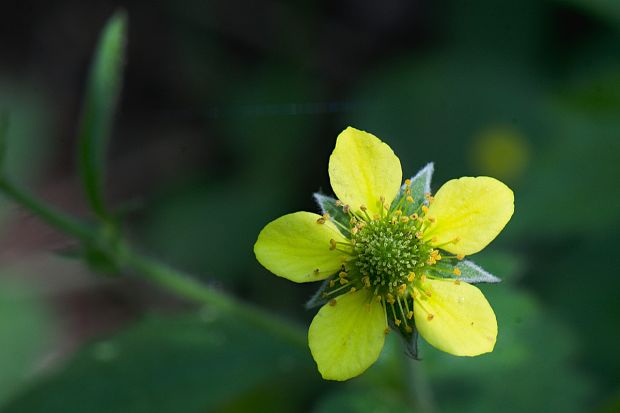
229,113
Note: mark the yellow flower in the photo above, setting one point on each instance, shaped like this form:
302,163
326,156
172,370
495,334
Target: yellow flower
392,256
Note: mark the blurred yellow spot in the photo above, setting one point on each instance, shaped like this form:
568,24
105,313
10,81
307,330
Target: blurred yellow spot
500,151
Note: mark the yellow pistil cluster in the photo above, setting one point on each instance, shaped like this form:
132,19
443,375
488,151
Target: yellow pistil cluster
387,255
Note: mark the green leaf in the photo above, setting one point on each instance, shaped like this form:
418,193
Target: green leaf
420,185
103,89
363,400
190,364
4,126
24,328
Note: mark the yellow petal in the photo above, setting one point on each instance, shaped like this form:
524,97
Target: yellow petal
472,211
455,318
362,169
297,247
346,337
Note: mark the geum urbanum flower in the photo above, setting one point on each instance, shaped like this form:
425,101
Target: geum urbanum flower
392,256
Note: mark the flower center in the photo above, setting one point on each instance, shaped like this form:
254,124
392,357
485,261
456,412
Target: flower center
388,252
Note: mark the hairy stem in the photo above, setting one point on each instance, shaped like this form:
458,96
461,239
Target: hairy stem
161,274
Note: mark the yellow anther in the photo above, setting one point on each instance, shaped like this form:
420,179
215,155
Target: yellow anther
423,278
460,256
332,302
398,212
411,277
438,257
366,281
429,317
456,271
408,191
343,281
338,203
431,261
332,244
346,209
434,253
431,219
397,322
390,299
424,209
409,198
402,288
410,315
393,220
342,274
419,235
353,289
428,293
407,182
320,220
404,219
376,217
408,329
354,230
363,208
414,216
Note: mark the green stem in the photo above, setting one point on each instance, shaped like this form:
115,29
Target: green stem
420,388
159,273
192,289
52,216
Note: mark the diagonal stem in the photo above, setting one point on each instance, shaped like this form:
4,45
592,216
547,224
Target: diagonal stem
161,274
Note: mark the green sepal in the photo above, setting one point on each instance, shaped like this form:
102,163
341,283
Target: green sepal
420,185
409,340
470,273
318,300
327,205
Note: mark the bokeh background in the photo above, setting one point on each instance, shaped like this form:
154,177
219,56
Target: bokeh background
229,113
